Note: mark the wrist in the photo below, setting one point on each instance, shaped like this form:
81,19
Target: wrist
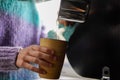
16,60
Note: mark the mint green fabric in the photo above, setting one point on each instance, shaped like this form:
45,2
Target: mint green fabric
24,9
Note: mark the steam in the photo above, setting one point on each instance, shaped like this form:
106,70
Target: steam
62,32
57,33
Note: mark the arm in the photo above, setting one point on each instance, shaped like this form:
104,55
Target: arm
12,58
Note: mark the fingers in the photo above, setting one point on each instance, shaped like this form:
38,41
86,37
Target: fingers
32,68
42,49
37,61
43,56
42,53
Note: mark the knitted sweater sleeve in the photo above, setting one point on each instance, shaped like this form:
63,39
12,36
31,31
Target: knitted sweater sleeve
8,57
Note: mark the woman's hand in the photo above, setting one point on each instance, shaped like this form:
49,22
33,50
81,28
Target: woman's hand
35,54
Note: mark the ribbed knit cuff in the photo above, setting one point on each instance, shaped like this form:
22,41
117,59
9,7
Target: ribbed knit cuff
8,58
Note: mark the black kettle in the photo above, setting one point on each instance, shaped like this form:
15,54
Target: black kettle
95,44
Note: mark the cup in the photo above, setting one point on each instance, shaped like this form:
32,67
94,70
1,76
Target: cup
59,47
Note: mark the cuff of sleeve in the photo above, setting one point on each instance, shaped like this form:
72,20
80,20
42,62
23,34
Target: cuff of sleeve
8,58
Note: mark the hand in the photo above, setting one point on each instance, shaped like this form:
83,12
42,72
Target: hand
35,54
